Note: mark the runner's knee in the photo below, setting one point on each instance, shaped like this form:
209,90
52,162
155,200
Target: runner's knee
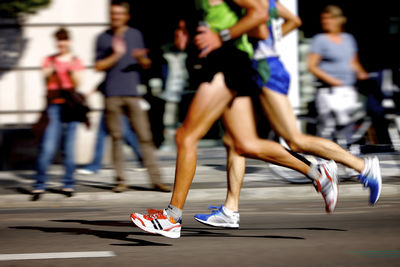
246,148
184,138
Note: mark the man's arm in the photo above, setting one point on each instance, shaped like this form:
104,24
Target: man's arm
291,21
119,49
260,31
140,54
256,14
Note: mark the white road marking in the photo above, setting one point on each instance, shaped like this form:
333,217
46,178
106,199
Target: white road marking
56,255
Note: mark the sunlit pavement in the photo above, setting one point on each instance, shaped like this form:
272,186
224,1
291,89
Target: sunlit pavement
275,232
282,224
261,182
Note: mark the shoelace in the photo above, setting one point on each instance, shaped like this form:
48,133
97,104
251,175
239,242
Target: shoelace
362,178
154,211
214,209
154,214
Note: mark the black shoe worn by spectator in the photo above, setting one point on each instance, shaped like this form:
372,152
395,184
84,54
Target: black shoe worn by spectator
162,187
68,192
119,188
36,193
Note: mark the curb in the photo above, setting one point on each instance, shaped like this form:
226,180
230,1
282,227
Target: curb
142,197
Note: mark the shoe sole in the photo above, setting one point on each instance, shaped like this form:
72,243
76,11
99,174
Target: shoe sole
377,197
379,183
333,170
223,225
379,178
138,223
68,193
328,209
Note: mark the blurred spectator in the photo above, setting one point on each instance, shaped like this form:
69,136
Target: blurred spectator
175,80
334,61
121,53
62,72
175,72
129,138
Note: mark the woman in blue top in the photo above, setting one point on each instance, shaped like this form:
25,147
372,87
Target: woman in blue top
333,58
334,62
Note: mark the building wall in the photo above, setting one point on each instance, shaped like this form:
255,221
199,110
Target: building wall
22,86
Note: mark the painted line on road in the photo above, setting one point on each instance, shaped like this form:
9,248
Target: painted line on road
379,253
56,255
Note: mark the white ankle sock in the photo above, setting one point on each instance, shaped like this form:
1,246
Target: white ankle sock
174,212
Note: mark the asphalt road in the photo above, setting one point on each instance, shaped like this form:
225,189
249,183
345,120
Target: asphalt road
282,224
272,232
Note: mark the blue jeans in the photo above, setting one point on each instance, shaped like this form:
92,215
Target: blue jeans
130,139
55,131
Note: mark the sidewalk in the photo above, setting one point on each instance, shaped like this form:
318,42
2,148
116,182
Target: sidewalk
209,183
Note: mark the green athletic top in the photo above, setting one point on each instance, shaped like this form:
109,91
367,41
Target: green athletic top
220,17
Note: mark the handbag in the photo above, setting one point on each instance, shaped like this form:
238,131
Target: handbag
75,107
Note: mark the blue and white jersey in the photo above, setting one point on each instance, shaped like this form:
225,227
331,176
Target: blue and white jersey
266,48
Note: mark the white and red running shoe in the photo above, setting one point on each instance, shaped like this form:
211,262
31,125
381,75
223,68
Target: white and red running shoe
327,184
158,222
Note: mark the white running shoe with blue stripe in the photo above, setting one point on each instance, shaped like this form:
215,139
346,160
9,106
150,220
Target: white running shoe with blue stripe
327,184
371,178
219,218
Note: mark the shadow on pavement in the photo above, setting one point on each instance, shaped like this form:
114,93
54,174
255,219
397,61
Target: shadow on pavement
128,224
22,190
99,222
187,232
121,236
109,186
199,232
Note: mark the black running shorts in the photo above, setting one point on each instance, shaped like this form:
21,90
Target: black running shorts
236,66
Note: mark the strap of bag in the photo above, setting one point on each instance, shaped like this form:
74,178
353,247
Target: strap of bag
52,60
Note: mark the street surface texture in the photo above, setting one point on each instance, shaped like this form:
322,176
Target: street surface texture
272,233
282,224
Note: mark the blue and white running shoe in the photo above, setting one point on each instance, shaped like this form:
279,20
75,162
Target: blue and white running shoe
219,218
371,177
